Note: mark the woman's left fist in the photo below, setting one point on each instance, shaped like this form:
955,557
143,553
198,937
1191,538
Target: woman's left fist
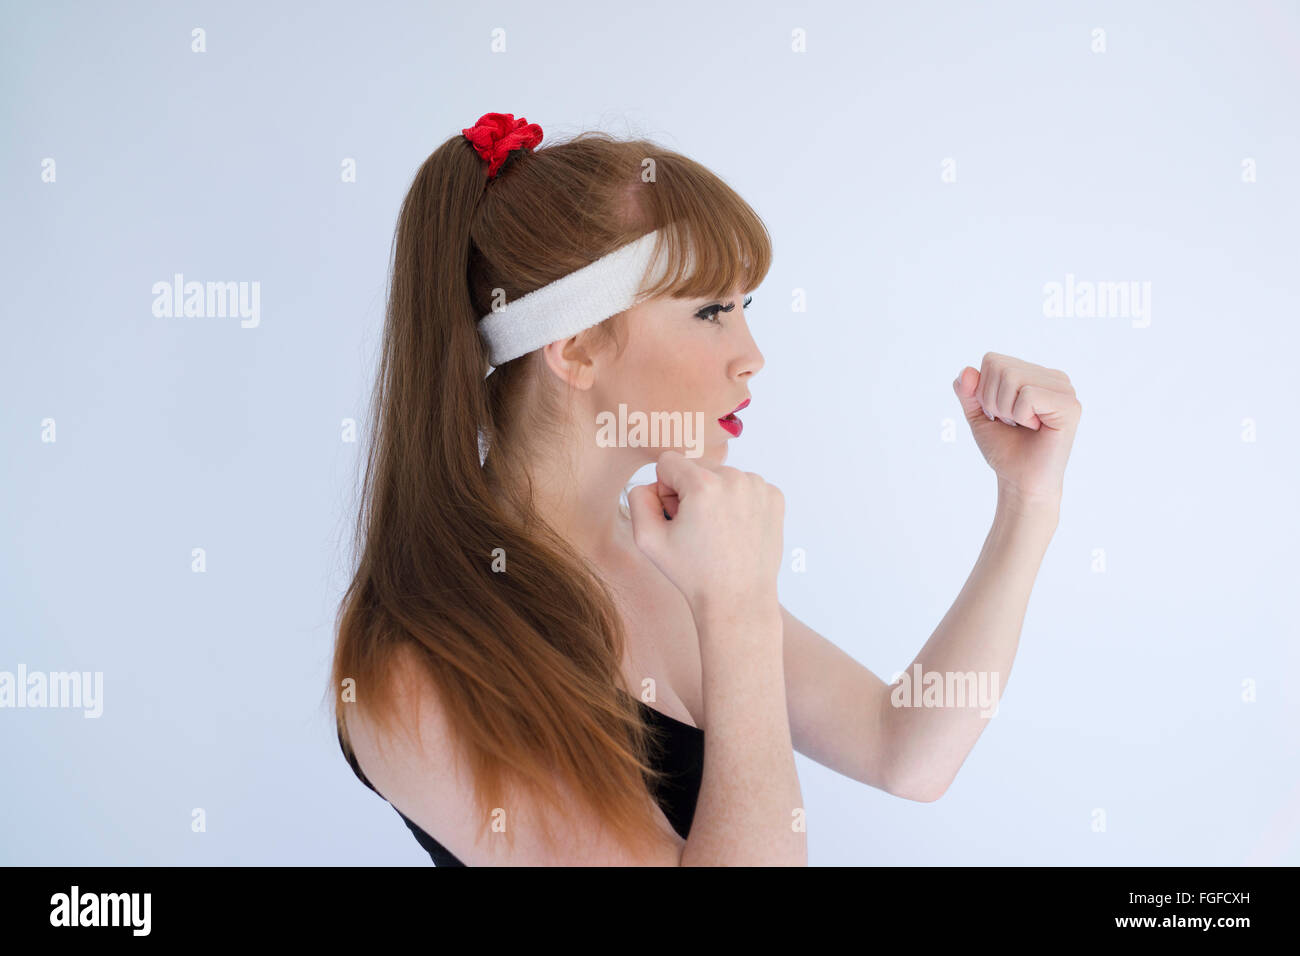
1023,417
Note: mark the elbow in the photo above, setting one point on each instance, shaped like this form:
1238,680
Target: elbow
920,790
927,796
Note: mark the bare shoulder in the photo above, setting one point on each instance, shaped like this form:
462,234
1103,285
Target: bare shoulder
383,754
421,772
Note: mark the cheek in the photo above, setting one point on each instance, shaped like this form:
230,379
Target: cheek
666,370
645,389
681,372
657,377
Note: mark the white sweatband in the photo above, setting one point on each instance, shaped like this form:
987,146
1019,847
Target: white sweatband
570,304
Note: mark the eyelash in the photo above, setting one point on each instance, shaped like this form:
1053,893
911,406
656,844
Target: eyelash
710,312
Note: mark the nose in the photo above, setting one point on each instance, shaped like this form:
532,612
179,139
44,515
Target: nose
749,360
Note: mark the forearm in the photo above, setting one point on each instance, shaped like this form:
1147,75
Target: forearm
971,651
744,814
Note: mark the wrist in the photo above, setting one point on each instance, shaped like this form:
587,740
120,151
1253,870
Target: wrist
730,608
1040,510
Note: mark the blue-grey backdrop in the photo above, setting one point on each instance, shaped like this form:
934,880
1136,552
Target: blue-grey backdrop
926,171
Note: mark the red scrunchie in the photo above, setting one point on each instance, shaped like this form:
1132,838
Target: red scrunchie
495,135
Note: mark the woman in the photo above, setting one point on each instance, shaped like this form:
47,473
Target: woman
524,667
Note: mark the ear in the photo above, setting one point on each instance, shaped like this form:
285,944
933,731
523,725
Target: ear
570,362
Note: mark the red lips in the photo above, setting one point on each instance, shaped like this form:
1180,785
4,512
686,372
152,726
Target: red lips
731,423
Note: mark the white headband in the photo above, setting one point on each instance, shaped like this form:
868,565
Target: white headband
570,304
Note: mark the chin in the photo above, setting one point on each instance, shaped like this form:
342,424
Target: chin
714,454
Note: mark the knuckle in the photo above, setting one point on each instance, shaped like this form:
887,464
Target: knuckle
709,480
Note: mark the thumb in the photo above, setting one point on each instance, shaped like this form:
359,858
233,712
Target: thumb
648,521
966,385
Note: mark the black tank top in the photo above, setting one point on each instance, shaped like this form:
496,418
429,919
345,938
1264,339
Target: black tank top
681,757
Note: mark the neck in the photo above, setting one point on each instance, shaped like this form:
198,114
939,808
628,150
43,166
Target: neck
576,486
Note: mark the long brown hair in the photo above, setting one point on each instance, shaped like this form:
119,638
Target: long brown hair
527,663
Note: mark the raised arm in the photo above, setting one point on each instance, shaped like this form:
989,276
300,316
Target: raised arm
910,738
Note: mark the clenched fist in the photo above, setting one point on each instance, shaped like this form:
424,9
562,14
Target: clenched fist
1023,417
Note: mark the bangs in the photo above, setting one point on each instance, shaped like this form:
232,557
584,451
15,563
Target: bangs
711,241
706,266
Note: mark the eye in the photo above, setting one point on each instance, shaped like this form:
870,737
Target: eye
710,312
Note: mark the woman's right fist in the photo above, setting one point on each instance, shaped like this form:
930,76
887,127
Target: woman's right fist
723,544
